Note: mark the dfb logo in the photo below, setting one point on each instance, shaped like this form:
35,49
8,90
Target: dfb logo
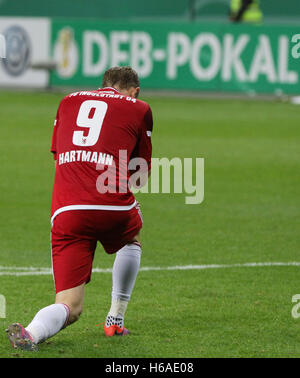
2,47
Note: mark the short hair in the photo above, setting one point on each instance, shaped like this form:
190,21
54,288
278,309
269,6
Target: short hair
124,77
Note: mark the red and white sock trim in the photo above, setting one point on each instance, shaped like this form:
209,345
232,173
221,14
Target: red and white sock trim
68,315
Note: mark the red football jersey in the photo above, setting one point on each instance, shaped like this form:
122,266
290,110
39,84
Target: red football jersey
96,133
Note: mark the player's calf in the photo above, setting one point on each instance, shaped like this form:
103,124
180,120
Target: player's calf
73,298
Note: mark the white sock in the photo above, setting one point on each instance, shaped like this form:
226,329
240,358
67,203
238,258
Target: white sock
125,270
118,308
48,321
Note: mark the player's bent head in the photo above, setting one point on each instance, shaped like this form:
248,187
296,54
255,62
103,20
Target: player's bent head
125,79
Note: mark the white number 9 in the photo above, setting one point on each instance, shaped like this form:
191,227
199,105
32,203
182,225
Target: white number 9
92,121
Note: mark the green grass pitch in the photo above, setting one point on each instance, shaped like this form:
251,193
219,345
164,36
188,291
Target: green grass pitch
250,214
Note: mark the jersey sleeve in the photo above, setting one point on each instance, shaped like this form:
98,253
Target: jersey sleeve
54,135
143,148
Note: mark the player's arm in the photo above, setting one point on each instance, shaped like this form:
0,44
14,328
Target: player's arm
54,138
54,135
143,151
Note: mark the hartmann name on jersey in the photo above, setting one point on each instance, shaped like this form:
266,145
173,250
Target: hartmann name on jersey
85,156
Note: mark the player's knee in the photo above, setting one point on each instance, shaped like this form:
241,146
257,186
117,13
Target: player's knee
137,239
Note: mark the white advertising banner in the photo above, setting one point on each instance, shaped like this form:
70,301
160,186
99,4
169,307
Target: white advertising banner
25,43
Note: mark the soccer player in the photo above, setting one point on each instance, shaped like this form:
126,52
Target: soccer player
96,135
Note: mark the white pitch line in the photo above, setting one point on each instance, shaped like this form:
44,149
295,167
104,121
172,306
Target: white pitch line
38,271
28,273
32,268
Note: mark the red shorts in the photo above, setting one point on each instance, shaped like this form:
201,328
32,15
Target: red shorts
74,237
